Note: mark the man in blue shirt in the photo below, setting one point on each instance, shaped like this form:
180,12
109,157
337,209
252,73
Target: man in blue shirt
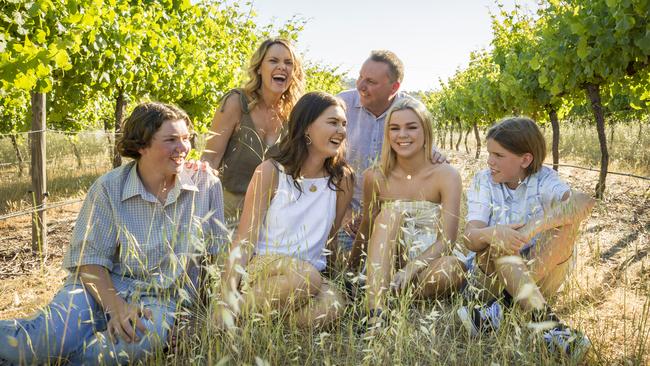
377,89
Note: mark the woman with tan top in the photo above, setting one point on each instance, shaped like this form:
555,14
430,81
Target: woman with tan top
251,120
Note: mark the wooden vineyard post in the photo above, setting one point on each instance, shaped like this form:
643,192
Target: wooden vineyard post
39,187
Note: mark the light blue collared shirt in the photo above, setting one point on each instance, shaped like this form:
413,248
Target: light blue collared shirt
365,136
495,203
124,228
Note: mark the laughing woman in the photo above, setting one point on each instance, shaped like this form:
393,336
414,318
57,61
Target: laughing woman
410,214
294,204
246,128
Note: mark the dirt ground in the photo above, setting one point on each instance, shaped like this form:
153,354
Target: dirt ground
609,296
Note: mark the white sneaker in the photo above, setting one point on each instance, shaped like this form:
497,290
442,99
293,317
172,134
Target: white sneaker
481,319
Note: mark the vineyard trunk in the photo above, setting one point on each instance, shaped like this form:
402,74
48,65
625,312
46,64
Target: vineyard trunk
460,134
451,135
593,92
19,155
39,178
555,147
120,109
443,134
478,141
75,151
467,134
638,136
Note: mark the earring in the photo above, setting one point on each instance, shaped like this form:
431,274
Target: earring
307,139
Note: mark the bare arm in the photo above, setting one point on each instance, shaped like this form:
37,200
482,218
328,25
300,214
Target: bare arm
503,238
123,316
343,199
363,234
573,208
257,201
223,125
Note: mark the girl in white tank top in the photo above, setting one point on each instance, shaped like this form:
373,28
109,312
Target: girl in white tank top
293,205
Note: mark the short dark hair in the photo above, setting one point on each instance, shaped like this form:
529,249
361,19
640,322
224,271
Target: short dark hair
395,65
521,135
142,124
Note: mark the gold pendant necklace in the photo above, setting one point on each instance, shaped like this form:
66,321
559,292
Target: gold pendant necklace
313,188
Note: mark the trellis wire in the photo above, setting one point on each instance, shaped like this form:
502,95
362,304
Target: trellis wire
40,208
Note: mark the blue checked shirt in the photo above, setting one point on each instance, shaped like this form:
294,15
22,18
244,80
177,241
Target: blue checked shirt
123,227
365,136
495,203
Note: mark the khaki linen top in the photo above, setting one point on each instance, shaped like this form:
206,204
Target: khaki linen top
245,150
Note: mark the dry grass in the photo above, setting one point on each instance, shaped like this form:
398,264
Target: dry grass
608,298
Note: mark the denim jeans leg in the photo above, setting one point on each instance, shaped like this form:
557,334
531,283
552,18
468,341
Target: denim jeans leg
100,350
52,333
345,241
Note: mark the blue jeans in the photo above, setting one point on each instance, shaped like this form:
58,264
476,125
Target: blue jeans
345,241
73,327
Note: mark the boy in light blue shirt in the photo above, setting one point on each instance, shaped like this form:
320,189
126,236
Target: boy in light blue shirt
521,229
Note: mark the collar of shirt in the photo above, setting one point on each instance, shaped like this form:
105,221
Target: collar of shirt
134,187
357,104
522,188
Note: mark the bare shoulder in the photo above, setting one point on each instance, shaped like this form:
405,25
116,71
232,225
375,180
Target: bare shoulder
266,168
232,102
446,172
372,176
372,173
231,108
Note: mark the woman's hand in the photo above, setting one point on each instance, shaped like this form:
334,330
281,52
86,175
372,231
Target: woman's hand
405,276
438,158
201,165
507,240
125,320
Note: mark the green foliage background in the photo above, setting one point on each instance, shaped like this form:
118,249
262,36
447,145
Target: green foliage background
86,53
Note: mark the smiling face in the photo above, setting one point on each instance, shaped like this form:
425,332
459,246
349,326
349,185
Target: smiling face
405,133
276,69
167,150
505,166
327,132
376,90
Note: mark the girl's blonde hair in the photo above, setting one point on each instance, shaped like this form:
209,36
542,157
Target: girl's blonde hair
254,83
387,153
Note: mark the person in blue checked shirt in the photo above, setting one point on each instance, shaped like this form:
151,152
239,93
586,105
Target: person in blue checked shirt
522,225
136,250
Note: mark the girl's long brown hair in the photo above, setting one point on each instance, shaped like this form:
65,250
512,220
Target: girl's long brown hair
293,146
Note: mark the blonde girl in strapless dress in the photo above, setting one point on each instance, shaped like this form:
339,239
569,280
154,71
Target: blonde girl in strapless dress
410,215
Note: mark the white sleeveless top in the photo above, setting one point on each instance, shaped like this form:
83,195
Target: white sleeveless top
298,224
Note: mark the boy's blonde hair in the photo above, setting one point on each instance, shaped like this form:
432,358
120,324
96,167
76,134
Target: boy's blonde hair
520,135
387,153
